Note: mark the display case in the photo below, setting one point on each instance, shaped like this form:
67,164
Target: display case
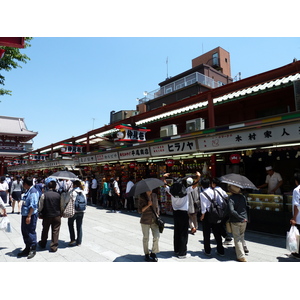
265,202
289,199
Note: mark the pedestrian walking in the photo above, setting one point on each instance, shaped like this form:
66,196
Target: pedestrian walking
4,189
295,220
194,205
29,212
51,206
16,193
94,189
115,192
207,196
78,216
237,209
222,196
147,206
129,202
180,207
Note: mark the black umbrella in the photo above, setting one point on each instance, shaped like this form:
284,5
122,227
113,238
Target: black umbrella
64,175
145,185
238,180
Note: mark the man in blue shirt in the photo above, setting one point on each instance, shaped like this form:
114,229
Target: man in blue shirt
29,213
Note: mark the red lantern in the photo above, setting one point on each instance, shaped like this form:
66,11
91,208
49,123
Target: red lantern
132,165
235,158
170,162
106,167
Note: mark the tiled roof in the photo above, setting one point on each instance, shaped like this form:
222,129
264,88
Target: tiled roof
263,87
14,126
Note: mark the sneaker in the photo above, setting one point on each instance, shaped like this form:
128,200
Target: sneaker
295,255
243,259
72,243
246,249
184,256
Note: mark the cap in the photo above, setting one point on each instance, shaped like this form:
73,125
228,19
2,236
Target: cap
189,181
268,168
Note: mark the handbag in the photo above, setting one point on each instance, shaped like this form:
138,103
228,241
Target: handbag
160,222
69,210
292,239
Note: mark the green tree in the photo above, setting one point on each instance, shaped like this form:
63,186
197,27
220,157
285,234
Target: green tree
11,60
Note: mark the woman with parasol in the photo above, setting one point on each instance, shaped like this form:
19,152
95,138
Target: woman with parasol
147,205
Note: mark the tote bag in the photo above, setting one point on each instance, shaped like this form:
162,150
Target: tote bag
69,210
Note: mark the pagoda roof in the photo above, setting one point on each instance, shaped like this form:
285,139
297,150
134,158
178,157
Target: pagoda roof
15,127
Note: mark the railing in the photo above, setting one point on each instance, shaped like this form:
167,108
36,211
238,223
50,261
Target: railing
179,84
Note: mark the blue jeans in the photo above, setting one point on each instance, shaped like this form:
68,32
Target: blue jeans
78,216
29,232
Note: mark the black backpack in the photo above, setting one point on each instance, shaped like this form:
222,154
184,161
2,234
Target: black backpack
216,211
178,189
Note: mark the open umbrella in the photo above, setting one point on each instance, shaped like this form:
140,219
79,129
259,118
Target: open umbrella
64,175
238,180
145,185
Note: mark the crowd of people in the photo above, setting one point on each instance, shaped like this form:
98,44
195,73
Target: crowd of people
48,200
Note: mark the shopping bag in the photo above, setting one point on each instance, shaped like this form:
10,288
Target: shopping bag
5,224
292,239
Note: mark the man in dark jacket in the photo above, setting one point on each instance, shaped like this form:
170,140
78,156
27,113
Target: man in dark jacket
50,210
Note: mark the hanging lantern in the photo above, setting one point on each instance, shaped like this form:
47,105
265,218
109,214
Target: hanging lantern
170,162
132,165
235,158
106,167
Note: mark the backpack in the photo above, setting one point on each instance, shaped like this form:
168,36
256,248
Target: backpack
224,204
215,212
80,201
178,189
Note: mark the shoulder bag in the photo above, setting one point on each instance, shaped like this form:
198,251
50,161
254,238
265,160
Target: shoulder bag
160,222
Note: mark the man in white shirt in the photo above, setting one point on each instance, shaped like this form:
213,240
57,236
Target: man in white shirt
273,181
181,218
207,225
296,209
94,187
129,202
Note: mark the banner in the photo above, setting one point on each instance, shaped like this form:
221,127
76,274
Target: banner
131,134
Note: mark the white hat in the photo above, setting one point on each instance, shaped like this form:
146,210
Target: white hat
268,168
189,181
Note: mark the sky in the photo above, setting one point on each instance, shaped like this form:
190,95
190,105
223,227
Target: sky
71,84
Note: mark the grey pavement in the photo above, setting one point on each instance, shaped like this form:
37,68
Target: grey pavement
117,237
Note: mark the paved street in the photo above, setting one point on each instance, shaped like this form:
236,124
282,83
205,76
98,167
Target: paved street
117,237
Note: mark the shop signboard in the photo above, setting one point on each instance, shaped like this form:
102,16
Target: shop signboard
282,133
131,134
107,157
133,153
171,148
87,159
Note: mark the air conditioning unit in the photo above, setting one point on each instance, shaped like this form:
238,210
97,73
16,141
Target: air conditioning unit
195,125
168,130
